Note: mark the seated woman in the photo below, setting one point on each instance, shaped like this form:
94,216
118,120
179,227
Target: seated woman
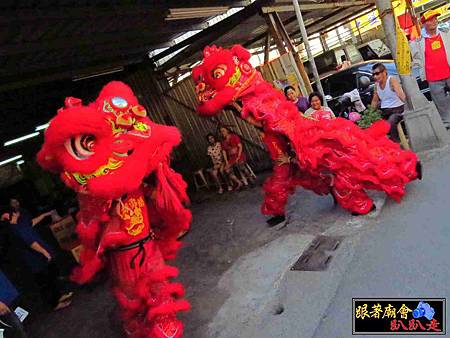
300,101
235,158
215,152
9,322
317,110
37,255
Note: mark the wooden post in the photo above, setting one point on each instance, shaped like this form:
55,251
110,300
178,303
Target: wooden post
306,86
267,49
342,44
323,42
275,33
413,14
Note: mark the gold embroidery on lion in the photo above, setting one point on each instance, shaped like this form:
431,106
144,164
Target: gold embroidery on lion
103,170
131,211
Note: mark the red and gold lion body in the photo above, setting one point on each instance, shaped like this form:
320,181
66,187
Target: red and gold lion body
333,155
117,160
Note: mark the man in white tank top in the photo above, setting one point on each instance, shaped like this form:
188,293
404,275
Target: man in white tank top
389,96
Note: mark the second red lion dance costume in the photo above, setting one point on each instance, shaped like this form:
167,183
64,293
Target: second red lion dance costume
105,151
332,156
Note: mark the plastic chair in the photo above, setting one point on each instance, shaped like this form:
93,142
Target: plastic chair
200,180
250,170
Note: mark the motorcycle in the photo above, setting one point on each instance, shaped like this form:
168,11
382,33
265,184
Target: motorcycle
351,104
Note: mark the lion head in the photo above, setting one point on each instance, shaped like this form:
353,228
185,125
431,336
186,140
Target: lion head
222,77
105,148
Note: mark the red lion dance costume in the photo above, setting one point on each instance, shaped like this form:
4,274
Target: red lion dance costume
332,155
105,151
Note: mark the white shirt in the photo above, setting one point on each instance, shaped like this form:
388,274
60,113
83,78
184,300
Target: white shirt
388,97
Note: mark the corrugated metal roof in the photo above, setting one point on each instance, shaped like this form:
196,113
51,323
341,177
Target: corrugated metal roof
56,39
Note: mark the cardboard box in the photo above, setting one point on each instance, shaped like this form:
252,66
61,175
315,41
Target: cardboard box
64,231
74,248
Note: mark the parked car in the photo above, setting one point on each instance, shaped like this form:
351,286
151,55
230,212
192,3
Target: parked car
337,83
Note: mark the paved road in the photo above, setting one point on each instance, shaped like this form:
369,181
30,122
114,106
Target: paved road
406,254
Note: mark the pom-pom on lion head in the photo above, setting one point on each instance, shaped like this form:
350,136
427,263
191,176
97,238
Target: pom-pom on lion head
222,77
105,148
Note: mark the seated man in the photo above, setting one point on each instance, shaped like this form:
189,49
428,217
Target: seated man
389,96
215,152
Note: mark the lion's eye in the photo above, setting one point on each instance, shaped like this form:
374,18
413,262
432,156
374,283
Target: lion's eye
219,71
81,147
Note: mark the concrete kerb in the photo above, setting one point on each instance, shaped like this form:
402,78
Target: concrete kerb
260,284
429,155
305,297
253,283
268,300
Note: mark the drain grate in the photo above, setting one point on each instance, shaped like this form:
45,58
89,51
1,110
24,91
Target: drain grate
316,258
326,243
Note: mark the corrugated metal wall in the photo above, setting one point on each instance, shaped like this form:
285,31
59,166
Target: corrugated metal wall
176,106
181,101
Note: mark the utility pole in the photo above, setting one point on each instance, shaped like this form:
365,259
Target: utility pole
302,27
425,128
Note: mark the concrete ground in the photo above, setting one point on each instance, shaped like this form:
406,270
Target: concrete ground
237,274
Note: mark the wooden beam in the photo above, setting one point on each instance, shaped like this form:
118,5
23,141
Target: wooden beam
86,12
297,58
147,37
317,6
203,3
275,33
202,39
154,11
287,22
323,42
267,49
71,59
341,20
61,73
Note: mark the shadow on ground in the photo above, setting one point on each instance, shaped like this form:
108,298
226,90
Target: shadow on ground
224,228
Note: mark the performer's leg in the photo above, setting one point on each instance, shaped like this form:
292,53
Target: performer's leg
277,187
356,201
148,300
320,184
